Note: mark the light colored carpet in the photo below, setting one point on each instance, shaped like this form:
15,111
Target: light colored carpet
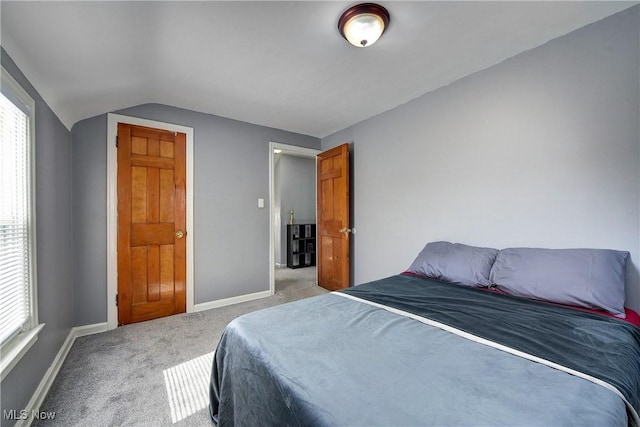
154,373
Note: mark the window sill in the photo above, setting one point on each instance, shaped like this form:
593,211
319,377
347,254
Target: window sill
16,349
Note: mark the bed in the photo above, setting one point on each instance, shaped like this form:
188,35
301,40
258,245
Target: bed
445,343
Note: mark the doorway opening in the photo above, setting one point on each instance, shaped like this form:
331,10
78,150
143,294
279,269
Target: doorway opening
292,187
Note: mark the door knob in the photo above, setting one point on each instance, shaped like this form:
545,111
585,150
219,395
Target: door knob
180,234
345,230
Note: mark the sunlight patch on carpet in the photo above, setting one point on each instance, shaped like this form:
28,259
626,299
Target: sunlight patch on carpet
188,386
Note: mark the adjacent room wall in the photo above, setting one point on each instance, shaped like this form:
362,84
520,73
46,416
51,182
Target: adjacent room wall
541,150
295,179
231,171
54,250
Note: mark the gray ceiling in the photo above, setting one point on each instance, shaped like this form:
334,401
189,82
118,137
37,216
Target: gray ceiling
278,64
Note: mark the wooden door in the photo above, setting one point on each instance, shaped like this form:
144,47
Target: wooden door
333,218
151,223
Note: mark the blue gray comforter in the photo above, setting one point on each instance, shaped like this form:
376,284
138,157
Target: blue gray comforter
339,360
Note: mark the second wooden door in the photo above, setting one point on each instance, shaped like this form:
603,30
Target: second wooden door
333,218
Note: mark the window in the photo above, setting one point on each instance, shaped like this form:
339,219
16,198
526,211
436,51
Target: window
18,305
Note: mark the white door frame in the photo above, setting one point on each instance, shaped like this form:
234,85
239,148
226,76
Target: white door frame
286,149
112,209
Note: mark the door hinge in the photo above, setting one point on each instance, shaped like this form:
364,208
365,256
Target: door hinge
116,141
116,299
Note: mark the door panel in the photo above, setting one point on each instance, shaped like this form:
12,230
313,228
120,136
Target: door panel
333,218
151,209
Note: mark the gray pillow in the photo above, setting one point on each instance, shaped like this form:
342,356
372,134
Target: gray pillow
591,278
455,263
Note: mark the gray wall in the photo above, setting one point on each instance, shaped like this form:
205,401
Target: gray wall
295,182
54,249
231,171
541,150
89,156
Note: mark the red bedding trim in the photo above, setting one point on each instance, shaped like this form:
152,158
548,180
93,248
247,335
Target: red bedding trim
630,315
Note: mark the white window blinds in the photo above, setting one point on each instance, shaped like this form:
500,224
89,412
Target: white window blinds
15,197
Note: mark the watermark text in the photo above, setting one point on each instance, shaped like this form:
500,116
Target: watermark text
15,415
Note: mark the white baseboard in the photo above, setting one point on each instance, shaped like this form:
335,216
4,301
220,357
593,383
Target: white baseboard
45,384
229,301
96,328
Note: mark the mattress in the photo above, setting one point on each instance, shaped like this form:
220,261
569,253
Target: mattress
409,350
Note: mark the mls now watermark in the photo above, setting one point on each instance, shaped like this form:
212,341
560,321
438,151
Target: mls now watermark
14,415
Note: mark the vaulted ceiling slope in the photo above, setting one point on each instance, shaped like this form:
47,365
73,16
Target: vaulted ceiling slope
278,64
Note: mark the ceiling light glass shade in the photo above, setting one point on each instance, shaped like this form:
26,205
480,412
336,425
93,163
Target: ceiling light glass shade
363,24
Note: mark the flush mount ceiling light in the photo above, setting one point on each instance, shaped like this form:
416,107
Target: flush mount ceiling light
363,24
